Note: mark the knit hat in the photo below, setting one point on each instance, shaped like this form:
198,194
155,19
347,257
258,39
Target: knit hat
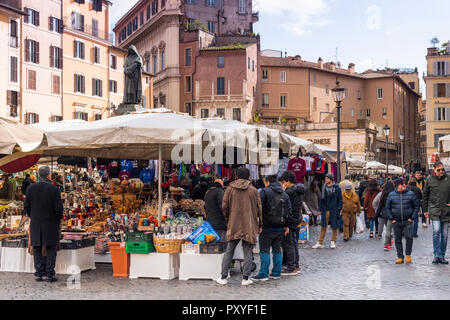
330,176
398,182
348,186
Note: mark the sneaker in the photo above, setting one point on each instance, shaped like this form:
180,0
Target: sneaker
424,225
386,248
371,235
443,261
222,281
274,277
258,277
345,239
318,246
436,260
389,248
392,243
333,245
288,272
247,282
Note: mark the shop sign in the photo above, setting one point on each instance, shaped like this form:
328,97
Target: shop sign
322,141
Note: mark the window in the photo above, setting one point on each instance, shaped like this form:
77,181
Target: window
163,3
283,101
253,65
220,86
56,84
361,113
211,26
384,114
187,108
283,76
327,91
129,28
367,112
113,86
155,102
55,24
31,118
31,51
188,84
162,61
441,68
315,104
13,34
220,62
314,78
31,17
353,112
327,107
254,93
147,66
379,131
78,49
154,7
124,33
97,89
80,83
187,57
440,90
211,3
55,57
95,27
265,74
248,63
380,93
135,24
442,114
265,100
155,65
77,21
205,113
96,57
13,75
80,115
345,93
142,18
359,95
220,112
242,6
237,114
97,5
148,12
12,98
412,85
113,62
97,116
31,80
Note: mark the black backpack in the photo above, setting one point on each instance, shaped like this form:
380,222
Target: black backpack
277,214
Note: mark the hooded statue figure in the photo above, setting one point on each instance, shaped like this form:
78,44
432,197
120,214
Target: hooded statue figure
133,77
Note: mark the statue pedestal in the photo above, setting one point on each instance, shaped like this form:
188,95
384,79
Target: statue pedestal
125,108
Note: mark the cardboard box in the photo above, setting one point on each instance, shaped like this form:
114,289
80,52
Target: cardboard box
190,248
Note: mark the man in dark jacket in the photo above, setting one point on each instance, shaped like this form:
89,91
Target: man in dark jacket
330,207
44,206
414,189
276,207
213,208
436,205
290,242
26,183
363,184
402,208
199,191
7,190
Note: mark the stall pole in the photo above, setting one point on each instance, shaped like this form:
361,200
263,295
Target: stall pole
52,163
159,184
64,177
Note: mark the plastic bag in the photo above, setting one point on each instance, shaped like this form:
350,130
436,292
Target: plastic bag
359,224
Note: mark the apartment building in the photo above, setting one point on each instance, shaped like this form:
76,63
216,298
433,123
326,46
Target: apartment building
437,82
10,57
298,91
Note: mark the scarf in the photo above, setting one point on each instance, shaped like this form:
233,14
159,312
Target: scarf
348,195
327,191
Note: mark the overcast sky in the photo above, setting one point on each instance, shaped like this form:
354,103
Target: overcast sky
369,33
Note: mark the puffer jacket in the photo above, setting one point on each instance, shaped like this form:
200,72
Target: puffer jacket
297,196
401,206
436,196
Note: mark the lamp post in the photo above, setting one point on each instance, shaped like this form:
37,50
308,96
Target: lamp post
338,95
402,137
386,130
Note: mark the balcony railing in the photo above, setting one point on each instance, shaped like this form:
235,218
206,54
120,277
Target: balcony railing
87,29
13,42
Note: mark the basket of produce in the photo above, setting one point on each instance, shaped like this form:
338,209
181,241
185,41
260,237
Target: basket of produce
168,245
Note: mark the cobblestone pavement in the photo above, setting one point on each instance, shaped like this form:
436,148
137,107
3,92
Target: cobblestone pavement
344,273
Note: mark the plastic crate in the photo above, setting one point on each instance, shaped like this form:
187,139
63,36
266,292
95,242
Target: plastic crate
139,237
15,243
77,244
139,247
214,248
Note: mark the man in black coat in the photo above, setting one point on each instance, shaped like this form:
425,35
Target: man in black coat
213,208
26,183
44,206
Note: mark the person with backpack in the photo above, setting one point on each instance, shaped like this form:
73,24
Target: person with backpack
296,194
276,207
380,214
402,208
213,208
330,207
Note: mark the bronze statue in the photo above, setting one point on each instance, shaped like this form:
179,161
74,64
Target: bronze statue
133,77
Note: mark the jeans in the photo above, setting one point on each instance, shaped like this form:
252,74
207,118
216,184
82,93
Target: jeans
415,225
403,229
229,253
44,265
371,224
289,245
440,237
267,239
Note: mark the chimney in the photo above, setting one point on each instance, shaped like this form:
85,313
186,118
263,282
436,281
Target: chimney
351,68
320,63
432,52
297,58
332,66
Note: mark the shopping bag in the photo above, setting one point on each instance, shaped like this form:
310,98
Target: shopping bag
359,224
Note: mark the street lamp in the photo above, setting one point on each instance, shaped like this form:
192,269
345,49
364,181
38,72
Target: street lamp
386,130
402,137
338,95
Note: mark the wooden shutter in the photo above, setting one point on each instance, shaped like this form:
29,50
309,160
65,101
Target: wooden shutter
19,98
447,89
26,17
82,50
74,20
52,57
8,97
27,50
34,79
36,14
101,87
75,83
36,52
81,22
436,115
83,85
27,118
60,26
60,58
447,68
435,86
93,86
50,23
435,68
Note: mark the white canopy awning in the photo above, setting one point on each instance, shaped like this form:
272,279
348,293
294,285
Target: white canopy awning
15,135
375,165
